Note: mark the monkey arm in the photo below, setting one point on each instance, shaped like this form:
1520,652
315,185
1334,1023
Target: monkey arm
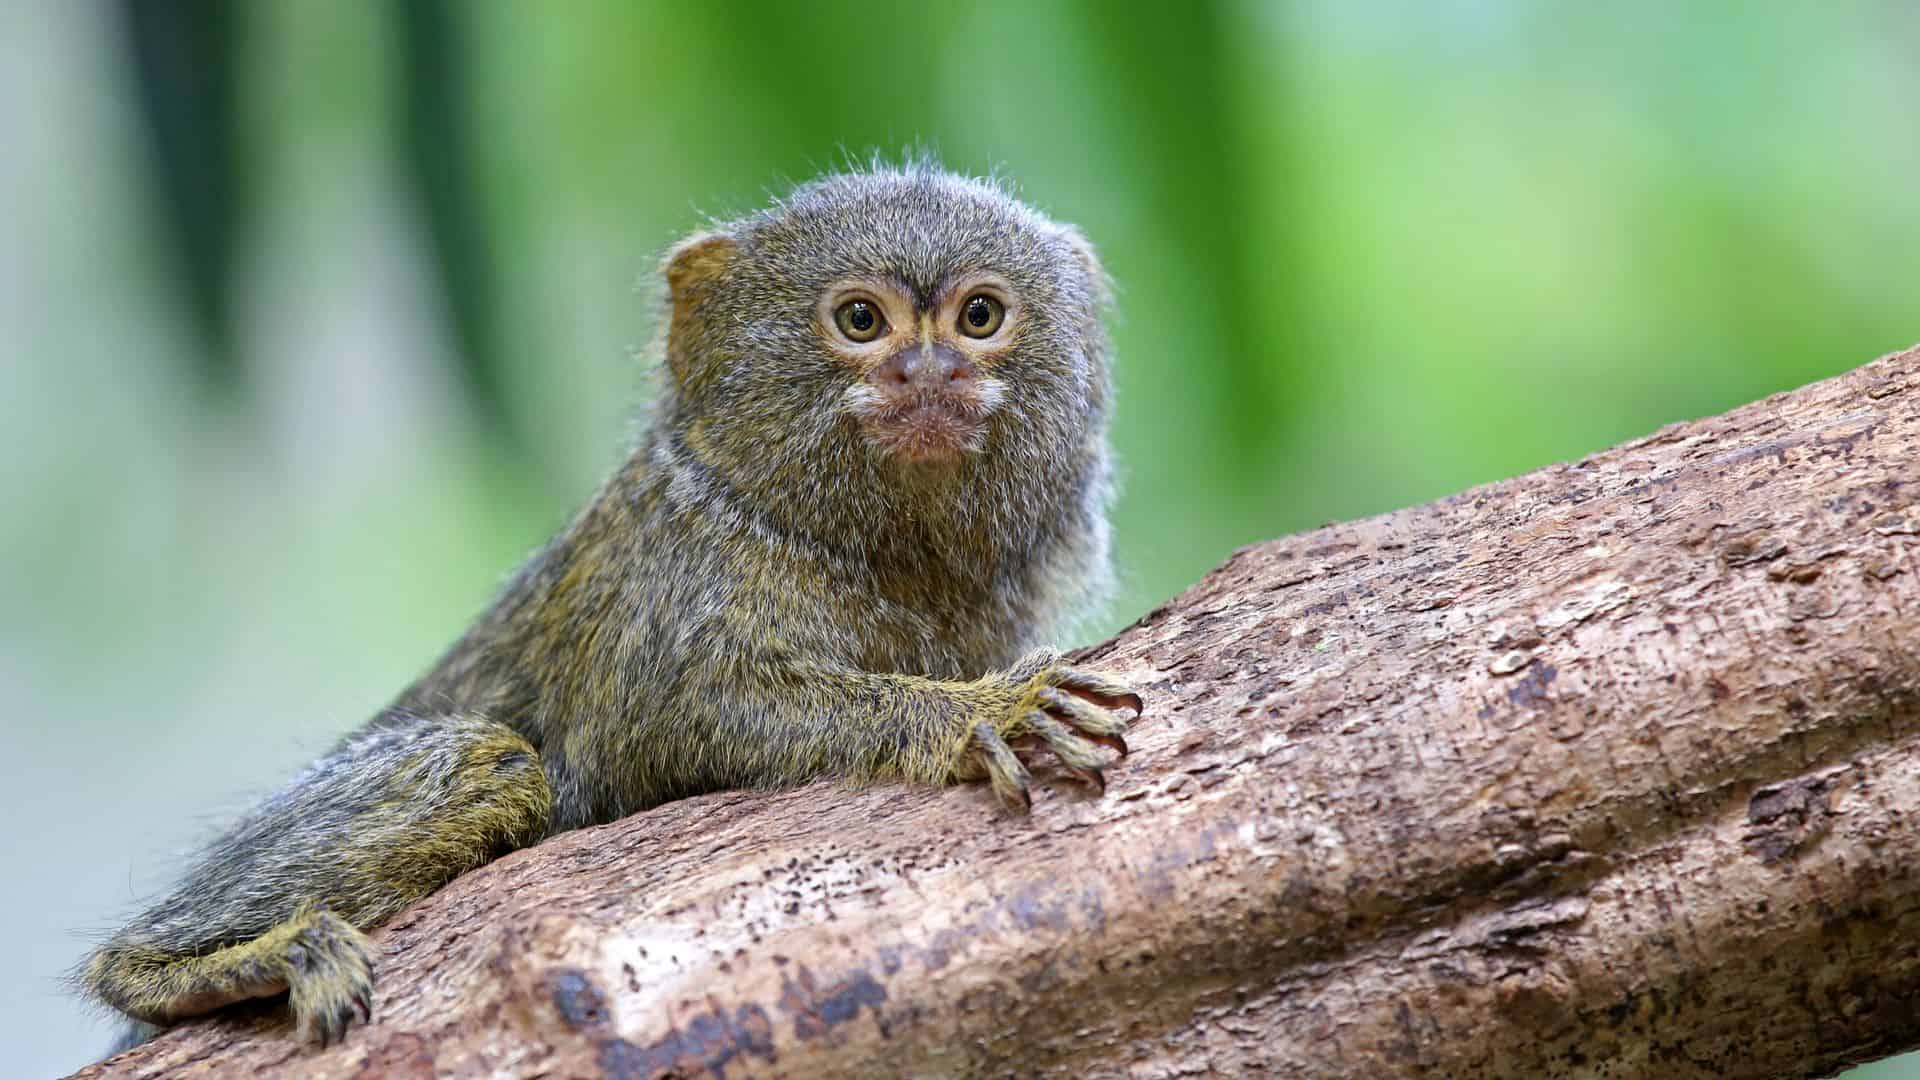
787,723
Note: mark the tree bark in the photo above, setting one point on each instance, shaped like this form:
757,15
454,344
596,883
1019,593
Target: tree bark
1612,769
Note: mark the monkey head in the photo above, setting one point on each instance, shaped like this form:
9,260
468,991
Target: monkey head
876,328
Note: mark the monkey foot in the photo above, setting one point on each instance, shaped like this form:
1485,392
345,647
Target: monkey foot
329,977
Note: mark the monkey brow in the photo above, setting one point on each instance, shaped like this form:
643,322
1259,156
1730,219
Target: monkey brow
921,292
927,293
925,287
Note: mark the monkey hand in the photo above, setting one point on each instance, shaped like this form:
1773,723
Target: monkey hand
1042,702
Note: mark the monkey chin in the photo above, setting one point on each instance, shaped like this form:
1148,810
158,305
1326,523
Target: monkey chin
924,430
927,437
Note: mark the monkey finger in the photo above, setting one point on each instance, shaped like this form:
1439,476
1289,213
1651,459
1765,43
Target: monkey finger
323,1030
1068,745
1081,713
1103,690
1004,771
326,1023
1091,722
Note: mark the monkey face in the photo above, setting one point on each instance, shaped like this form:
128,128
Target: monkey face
925,385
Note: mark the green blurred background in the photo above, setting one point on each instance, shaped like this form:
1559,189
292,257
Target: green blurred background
316,317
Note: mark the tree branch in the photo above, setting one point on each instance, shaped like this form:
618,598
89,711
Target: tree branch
1612,767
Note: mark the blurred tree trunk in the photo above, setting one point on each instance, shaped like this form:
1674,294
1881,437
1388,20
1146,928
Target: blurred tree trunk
1613,768
183,61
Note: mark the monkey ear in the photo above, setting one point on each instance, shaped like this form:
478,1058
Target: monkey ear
696,261
1097,279
691,269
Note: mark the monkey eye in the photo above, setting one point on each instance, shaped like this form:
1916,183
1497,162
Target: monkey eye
981,316
860,320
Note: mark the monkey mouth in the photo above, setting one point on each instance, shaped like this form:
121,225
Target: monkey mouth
924,426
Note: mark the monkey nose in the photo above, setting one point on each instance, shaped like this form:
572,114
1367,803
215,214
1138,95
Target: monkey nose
922,367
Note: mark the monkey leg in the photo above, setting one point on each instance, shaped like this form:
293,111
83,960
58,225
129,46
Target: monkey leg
316,957
278,904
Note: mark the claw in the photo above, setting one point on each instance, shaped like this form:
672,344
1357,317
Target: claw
1092,777
1112,742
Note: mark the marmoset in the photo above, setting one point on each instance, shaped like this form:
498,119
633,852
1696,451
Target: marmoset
873,482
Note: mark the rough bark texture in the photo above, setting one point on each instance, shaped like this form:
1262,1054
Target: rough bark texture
1610,770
